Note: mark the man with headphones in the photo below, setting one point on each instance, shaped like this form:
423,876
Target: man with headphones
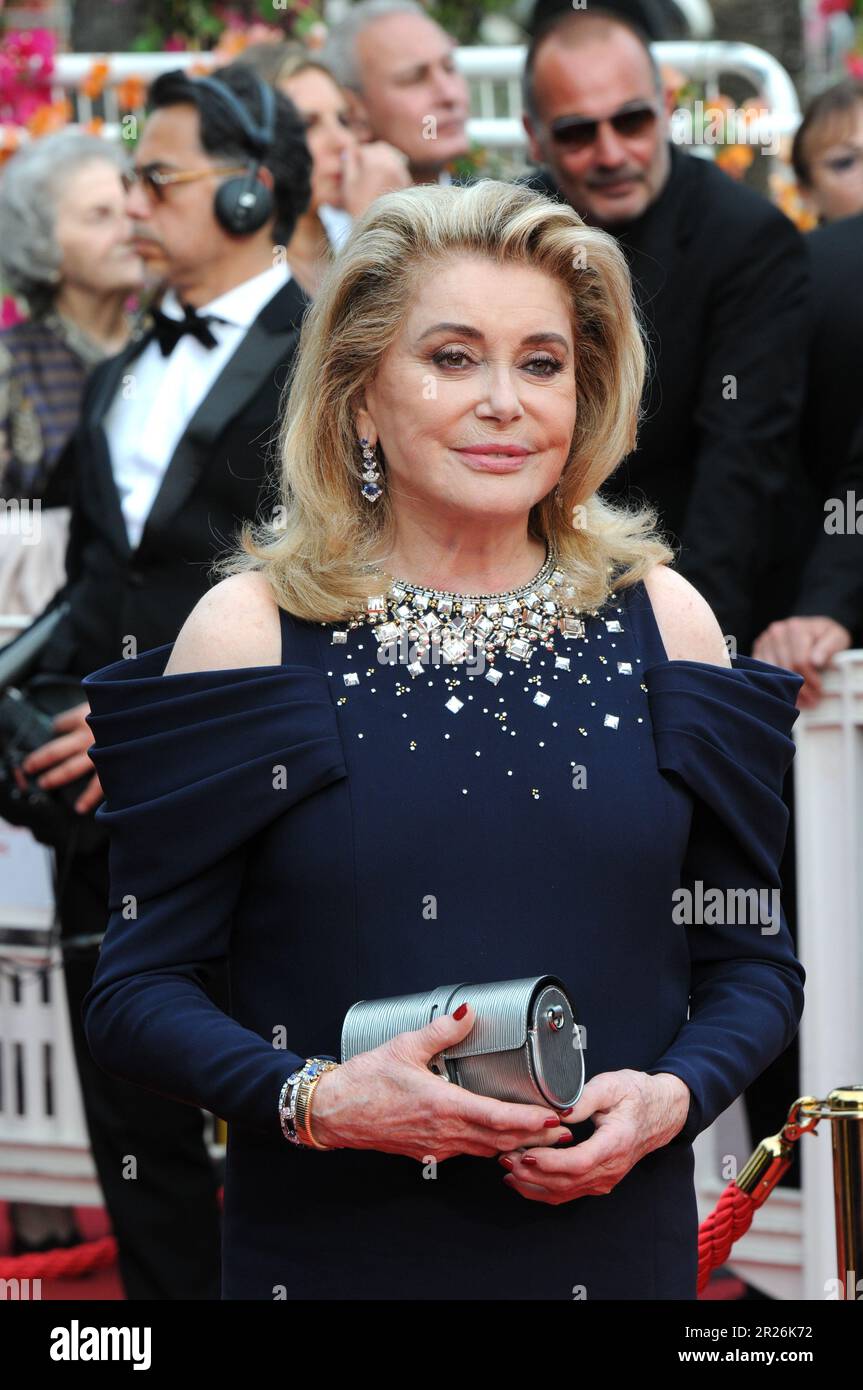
173,450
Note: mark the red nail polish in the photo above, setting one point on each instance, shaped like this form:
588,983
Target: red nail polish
506,1162
552,1124
460,1011
567,1110
528,1158
567,1139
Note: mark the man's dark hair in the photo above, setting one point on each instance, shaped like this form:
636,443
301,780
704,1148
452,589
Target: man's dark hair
221,134
659,19
569,22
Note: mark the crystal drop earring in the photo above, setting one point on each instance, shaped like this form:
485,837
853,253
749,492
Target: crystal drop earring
370,489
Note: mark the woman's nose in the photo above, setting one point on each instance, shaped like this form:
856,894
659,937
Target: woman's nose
501,398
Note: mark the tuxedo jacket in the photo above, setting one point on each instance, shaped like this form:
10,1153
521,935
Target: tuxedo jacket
720,277
829,581
220,473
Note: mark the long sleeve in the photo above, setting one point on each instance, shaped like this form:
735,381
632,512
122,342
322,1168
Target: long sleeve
746,428
725,733
189,766
832,581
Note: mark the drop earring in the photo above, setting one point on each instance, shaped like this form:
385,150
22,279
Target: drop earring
370,488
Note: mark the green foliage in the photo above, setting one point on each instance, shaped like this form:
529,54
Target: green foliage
462,18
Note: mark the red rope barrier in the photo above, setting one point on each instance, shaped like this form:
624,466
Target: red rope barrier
71,1263
62,1264
729,1220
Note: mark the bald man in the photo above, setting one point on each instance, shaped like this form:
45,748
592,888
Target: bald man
721,278
398,68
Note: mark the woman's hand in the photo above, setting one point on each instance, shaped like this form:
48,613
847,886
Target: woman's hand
66,757
370,170
387,1099
634,1114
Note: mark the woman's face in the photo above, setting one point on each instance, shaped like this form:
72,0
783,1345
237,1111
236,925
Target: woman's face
485,357
836,173
320,102
93,230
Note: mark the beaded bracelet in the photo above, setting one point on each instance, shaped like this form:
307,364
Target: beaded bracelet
295,1100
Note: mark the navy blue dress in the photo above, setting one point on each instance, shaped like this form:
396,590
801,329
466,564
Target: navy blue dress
350,840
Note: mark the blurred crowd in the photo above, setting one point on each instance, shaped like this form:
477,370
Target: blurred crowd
165,299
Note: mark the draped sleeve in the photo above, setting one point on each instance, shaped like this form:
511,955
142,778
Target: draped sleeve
725,733
194,766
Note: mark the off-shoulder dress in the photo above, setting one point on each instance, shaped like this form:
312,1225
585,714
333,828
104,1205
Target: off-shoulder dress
342,830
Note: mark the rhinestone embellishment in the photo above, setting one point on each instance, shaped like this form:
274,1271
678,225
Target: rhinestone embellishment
472,627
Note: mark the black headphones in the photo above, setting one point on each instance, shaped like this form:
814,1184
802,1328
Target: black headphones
244,204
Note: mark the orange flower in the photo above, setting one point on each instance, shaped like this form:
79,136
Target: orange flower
95,80
10,141
50,118
786,195
231,44
131,93
735,159
94,125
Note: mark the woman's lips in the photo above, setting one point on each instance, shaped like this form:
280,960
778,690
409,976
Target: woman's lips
493,463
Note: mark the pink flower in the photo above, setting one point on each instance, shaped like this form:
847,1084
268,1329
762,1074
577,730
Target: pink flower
834,6
10,314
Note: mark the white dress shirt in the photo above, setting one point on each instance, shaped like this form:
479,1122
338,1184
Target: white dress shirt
158,395
337,225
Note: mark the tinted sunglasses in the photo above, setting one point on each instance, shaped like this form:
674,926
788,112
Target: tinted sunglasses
577,132
155,180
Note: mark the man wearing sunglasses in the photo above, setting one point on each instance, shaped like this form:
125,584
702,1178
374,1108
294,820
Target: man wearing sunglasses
172,453
720,276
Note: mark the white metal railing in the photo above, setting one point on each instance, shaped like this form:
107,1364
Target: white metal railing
828,788
494,76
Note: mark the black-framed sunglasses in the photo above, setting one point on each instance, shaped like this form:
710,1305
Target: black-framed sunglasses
577,132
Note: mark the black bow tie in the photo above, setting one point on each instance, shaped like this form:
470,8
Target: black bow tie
169,331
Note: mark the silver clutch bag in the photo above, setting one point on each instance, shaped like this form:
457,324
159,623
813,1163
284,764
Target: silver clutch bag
525,1045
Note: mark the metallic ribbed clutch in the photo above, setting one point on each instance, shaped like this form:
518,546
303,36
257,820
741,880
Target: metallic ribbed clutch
525,1045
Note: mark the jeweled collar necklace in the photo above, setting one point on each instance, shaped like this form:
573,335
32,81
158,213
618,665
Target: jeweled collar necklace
514,623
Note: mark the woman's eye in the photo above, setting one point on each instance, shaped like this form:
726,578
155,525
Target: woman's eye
551,364
451,356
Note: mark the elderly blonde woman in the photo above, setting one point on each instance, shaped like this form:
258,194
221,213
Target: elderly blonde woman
527,792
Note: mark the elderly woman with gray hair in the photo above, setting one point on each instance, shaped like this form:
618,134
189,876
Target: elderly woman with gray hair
65,249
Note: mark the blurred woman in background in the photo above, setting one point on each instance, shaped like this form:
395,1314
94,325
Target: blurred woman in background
65,249
347,175
827,153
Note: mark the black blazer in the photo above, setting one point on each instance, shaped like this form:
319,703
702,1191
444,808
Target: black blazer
831,582
216,477
720,276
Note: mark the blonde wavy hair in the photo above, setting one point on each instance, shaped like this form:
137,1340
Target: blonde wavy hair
323,540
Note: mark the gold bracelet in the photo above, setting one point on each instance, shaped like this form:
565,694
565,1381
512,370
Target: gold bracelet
304,1106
